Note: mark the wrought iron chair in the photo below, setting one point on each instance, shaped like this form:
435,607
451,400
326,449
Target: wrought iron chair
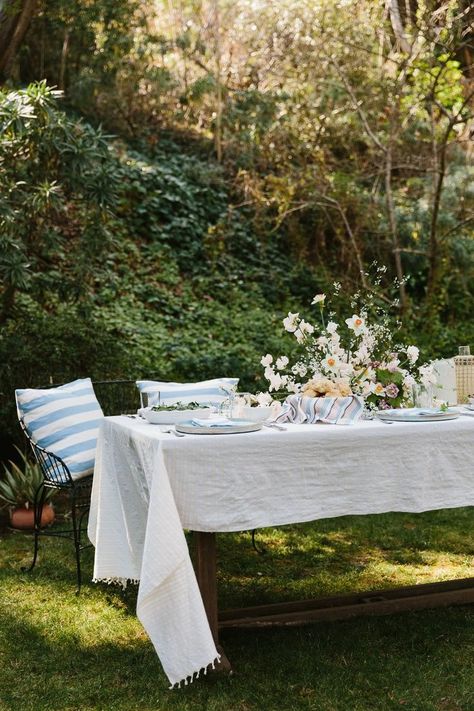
115,397
57,476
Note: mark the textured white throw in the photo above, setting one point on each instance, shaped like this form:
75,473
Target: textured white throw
137,533
148,486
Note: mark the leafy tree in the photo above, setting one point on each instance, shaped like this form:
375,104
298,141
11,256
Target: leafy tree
57,189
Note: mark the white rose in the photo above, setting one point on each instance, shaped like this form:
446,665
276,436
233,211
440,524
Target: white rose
413,353
291,322
427,374
337,350
275,381
346,370
282,362
267,360
264,399
299,369
362,354
306,327
269,372
392,367
408,381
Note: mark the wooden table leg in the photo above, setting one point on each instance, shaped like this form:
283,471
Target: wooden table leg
206,574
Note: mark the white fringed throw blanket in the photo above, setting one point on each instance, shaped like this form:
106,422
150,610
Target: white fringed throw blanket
136,521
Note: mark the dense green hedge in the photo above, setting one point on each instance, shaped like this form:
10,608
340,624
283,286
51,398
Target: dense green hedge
121,263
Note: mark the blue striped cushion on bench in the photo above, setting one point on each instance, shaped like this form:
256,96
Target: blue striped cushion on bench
203,392
65,421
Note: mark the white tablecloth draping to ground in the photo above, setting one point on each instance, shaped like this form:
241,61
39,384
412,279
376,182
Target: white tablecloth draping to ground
148,486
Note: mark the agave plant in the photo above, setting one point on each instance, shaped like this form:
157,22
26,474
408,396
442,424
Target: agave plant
20,482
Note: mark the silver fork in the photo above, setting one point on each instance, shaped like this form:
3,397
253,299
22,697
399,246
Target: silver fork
274,426
170,430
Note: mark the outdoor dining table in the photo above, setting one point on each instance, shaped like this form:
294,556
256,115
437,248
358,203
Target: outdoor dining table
150,485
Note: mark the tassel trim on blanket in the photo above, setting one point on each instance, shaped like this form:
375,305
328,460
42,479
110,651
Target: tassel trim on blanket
117,581
195,675
187,679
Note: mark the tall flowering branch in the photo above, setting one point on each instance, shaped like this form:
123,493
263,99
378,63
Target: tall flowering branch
359,358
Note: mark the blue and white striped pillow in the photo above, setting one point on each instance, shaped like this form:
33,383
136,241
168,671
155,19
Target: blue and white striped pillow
65,421
203,392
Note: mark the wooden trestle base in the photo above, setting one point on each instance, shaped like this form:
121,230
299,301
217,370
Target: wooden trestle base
338,607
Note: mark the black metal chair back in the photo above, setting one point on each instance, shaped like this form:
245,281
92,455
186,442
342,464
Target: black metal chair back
115,397
56,475
55,472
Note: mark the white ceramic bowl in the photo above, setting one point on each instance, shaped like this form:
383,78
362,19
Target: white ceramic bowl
170,417
256,414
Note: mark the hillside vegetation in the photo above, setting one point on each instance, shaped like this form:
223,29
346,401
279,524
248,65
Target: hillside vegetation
205,168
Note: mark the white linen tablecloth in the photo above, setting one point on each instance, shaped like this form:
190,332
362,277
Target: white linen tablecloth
148,486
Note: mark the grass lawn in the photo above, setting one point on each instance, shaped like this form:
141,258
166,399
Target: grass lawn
59,651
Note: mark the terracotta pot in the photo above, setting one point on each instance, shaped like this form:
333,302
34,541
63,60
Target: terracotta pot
25,518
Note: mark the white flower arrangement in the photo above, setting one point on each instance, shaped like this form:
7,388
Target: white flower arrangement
359,358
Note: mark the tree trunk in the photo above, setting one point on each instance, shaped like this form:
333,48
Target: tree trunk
393,229
397,26
62,66
218,125
15,18
439,173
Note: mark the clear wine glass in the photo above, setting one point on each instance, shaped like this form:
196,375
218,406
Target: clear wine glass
226,407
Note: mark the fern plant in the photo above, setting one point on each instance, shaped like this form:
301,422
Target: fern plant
20,482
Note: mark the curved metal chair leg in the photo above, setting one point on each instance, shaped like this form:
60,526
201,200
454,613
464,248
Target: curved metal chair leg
80,527
57,476
38,510
260,551
77,541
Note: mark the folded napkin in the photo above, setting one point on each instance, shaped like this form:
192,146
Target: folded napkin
332,410
212,422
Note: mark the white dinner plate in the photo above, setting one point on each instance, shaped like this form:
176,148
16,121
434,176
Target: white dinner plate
237,427
417,414
170,417
466,410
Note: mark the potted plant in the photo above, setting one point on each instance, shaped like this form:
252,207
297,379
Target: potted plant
18,486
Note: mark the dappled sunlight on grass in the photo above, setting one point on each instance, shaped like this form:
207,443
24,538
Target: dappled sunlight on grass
60,651
347,554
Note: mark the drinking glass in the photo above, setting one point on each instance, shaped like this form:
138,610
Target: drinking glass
464,350
226,407
423,395
149,398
